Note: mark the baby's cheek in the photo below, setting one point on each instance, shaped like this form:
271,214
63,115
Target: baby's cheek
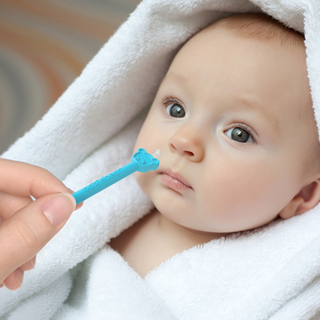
143,182
238,199
148,183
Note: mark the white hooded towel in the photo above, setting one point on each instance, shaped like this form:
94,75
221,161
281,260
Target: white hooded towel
269,273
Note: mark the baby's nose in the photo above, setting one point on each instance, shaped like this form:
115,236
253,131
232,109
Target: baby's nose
187,143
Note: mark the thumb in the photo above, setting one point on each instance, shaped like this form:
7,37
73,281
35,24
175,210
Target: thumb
26,232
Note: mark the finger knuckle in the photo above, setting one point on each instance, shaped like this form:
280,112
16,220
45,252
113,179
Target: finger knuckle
25,235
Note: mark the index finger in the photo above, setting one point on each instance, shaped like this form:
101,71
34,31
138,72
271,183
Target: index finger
24,179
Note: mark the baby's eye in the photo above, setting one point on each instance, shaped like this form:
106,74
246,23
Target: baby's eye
239,134
175,110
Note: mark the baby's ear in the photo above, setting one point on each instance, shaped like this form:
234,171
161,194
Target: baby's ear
306,199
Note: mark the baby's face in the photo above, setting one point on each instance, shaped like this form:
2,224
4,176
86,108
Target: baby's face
234,124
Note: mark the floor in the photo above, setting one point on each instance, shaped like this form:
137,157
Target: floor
44,45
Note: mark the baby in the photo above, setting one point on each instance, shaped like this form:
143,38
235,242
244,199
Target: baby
233,119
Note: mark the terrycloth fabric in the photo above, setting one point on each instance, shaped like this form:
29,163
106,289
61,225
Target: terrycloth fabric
270,273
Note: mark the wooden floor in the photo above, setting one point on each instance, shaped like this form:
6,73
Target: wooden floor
44,45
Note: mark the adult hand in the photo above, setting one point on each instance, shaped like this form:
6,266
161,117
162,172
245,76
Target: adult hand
26,225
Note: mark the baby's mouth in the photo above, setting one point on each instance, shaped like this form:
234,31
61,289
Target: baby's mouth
174,180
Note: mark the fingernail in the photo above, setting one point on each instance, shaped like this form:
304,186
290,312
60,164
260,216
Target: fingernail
59,208
78,205
33,262
19,276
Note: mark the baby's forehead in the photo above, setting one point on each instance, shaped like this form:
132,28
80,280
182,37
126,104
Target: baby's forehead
242,29
260,27
178,71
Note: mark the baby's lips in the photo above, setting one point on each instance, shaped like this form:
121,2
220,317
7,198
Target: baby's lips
178,177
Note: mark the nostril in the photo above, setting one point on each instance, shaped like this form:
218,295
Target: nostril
185,152
189,153
172,146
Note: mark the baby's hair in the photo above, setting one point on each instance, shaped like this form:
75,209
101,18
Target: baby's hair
261,27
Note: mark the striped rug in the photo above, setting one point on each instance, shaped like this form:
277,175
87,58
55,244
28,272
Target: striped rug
44,45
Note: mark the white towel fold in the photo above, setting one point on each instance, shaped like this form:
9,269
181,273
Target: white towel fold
269,273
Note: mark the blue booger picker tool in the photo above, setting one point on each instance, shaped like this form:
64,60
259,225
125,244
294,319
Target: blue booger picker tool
141,161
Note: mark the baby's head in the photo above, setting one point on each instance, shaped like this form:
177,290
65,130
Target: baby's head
234,122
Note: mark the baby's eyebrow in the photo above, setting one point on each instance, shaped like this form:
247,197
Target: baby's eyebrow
175,77
262,109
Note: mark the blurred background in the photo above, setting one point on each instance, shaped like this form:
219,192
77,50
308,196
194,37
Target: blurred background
44,45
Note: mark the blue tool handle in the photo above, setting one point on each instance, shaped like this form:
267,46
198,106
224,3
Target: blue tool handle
141,161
